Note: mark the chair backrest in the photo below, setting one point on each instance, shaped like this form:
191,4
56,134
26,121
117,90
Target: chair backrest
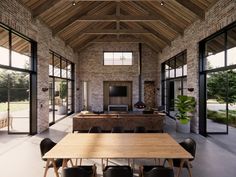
117,171
76,172
189,145
95,130
159,171
140,130
45,145
117,130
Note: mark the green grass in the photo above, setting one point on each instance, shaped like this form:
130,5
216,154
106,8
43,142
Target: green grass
220,117
14,106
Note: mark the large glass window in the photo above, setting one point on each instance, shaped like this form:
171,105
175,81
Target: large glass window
16,79
60,87
174,81
117,58
218,82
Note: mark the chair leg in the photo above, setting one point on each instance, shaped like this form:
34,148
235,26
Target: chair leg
189,169
180,167
55,168
159,161
46,168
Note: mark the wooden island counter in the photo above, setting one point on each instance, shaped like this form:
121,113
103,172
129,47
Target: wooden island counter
152,122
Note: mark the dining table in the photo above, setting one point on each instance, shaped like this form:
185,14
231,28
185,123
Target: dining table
118,146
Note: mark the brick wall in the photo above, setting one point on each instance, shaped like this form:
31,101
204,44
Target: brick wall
92,70
220,15
19,18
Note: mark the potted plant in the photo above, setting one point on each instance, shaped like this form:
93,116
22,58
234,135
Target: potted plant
62,95
185,106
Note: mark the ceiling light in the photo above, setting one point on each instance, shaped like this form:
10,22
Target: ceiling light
162,3
73,3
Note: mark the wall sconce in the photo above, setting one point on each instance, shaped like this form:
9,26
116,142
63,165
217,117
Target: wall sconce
44,89
191,89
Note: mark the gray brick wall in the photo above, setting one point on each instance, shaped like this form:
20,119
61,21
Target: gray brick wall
220,15
19,18
92,70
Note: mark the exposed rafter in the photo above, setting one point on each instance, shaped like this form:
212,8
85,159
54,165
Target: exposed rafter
114,18
122,31
192,7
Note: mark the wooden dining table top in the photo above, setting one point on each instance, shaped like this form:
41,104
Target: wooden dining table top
117,145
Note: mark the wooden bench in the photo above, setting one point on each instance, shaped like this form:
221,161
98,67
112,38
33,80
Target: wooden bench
152,122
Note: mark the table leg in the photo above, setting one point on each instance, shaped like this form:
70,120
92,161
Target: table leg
170,162
46,168
55,167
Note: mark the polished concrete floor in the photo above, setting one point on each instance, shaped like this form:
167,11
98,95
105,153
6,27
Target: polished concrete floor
20,155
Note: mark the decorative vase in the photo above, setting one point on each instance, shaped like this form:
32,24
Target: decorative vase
182,128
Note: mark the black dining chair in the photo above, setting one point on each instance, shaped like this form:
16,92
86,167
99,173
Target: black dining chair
140,130
189,145
117,129
45,145
155,171
95,129
117,171
80,171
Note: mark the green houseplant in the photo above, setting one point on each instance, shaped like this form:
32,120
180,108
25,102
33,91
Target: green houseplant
185,106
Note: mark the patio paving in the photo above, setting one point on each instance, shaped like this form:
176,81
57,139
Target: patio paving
20,155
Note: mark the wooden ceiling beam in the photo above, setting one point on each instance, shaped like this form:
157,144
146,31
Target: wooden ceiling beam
114,18
44,7
114,31
193,8
115,40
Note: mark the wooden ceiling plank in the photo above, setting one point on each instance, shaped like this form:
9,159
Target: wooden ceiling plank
72,19
163,19
44,7
193,8
154,32
89,27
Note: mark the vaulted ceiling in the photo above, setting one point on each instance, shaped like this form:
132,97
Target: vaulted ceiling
83,22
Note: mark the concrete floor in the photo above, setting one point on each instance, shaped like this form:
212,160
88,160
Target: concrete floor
20,155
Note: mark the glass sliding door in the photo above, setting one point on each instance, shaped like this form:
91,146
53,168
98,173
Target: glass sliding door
218,82
61,88
216,103
19,102
17,77
174,81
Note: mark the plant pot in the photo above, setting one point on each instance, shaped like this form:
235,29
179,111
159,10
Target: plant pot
182,128
61,110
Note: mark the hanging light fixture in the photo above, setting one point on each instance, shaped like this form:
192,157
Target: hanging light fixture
73,3
140,104
162,3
